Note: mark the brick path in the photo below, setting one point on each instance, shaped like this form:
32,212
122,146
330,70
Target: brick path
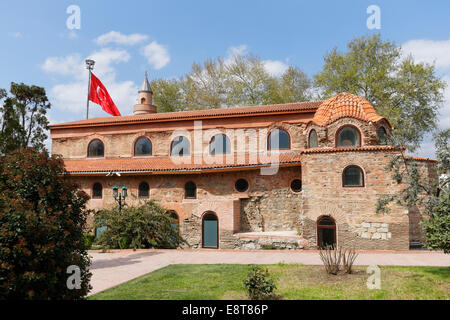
118,266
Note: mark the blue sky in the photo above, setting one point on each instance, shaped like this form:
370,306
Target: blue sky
166,37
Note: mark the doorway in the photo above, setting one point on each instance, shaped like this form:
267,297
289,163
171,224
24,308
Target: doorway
326,232
210,228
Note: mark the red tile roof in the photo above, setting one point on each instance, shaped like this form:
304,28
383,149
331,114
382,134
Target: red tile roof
349,149
345,105
167,164
194,114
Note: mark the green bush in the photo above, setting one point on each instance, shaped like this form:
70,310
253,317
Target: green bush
124,243
146,226
89,239
437,227
259,285
42,218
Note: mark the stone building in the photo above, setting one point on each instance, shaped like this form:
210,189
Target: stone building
296,175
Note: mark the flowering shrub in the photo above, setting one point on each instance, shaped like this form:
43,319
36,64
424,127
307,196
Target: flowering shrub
42,218
146,226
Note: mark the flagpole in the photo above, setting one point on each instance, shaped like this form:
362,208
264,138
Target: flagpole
90,66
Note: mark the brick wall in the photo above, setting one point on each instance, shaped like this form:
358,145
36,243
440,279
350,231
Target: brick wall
350,207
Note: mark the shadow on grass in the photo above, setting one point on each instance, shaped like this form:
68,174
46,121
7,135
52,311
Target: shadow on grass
442,273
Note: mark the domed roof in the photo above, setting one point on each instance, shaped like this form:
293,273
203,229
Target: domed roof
345,105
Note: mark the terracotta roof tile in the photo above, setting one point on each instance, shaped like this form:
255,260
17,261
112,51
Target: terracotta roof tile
167,164
345,105
184,115
364,148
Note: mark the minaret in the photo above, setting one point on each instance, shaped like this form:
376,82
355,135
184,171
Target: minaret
145,99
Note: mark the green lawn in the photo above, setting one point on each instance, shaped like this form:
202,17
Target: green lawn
224,281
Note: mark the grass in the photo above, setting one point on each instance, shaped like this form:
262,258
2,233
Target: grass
224,281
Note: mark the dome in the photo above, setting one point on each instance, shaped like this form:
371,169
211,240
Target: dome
345,105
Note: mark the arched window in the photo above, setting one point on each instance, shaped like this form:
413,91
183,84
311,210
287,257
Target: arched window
142,147
312,140
353,176
180,146
96,148
97,191
220,144
348,136
143,190
142,100
278,140
190,190
382,135
241,185
296,185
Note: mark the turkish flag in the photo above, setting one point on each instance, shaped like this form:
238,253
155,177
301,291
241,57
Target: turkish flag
99,95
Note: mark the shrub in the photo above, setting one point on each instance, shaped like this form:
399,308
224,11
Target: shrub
42,218
259,285
333,259
146,226
437,227
88,240
124,243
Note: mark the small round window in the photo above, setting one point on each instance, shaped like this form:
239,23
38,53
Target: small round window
241,185
296,185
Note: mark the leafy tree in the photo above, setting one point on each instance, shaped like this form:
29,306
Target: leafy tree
42,218
441,139
205,85
23,118
420,190
146,226
409,94
437,227
168,95
240,80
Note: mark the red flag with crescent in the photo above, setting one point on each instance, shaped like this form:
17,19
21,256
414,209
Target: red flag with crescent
99,95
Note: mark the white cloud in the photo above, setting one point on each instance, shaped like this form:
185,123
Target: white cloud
120,38
437,53
274,67
429,51
74,65
71,96
16,34
68,65
157,55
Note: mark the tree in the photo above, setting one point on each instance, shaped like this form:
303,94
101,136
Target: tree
441,140
42,218
240,80
437,226
420,190
23,118
408,94
168,95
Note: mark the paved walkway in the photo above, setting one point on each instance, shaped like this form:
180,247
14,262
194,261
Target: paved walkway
112,268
